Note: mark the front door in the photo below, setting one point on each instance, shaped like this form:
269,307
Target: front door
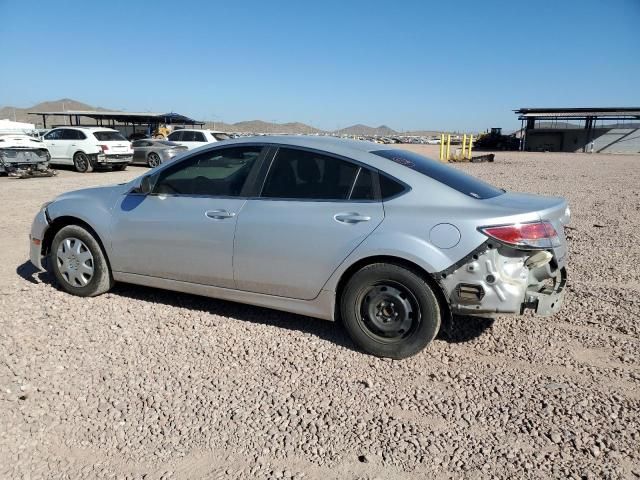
314,210
56,145
184,229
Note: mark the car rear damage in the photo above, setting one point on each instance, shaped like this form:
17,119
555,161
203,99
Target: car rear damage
520,267
22,156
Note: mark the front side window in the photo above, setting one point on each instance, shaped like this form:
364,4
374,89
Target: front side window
188,136
221,172
176,136
300,174
108,136
442,173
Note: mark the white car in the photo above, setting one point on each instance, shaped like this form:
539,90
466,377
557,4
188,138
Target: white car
21,155
195,137
88,147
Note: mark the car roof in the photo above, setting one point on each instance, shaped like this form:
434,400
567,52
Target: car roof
197,130
88,129
338,146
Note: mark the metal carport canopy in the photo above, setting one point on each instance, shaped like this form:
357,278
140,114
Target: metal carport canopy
611,112
140,118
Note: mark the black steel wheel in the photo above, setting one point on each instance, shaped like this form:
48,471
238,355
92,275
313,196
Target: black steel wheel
82,163
390,310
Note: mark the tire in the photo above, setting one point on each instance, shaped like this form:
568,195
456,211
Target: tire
78,263
390,311
119,168
153,160
82,162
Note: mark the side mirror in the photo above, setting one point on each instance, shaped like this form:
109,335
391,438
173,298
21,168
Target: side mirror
146,185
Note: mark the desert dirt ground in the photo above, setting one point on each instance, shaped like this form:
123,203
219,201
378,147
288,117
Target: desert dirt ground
143,383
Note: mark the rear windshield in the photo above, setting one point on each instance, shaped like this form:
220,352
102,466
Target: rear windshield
109,136
221,136
451,177
167,143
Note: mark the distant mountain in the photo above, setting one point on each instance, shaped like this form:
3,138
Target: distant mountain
20,114
366,130
252,126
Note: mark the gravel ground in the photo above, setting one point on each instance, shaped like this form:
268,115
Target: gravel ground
143,383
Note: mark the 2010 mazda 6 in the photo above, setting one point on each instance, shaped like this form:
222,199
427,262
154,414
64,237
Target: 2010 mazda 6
390,242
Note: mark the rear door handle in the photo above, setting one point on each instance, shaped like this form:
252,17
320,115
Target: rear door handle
219,214
351,217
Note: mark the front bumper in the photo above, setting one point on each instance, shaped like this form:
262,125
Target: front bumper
36,237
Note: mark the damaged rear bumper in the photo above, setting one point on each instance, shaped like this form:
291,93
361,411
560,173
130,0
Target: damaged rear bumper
501,280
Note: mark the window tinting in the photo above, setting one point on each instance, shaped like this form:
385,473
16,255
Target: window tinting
54,135
363,188
449,176
199,137
109,136
301,174
389,187
215,173
221,136
175,136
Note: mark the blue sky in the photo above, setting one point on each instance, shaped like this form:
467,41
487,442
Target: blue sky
410,65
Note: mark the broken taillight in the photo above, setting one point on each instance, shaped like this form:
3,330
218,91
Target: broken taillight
104,148
527,235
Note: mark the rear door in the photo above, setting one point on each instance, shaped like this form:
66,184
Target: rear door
184,229
313,211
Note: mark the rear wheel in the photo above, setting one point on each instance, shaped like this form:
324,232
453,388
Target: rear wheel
390,311
153,160
78,262
82,162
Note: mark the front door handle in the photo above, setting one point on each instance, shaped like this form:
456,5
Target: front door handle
219,214
351,217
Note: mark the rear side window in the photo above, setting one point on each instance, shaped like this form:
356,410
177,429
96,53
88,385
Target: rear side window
389,188
300,174
449,176
221,172
109,136
221,136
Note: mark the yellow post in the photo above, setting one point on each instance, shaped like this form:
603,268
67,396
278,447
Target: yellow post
470,145
441,146
448,146
464,144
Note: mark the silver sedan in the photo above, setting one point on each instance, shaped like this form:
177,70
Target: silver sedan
152,152
390,242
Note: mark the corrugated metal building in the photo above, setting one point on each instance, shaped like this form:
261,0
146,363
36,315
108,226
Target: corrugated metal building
598,130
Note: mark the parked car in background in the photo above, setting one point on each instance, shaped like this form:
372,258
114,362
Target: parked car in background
153,152
387,240
194,137
22,155
88,147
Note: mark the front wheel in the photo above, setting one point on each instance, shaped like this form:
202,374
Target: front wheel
82,162
390,311
78,262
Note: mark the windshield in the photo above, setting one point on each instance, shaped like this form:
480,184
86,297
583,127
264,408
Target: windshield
451,177
109,136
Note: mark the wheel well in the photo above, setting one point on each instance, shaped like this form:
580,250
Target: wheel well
59,223
437,289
